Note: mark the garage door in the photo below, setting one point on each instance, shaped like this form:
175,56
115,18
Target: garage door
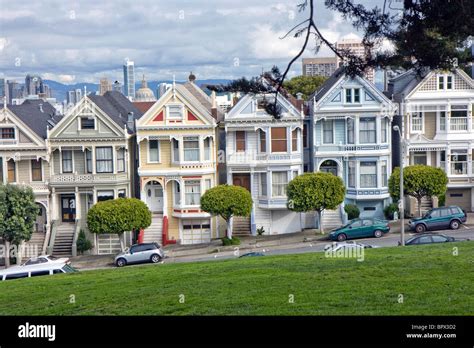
460,197
196,231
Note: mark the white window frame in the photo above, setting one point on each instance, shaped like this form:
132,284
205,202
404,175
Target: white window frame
124,161
42,170
149,151
375,174
261,191
209,149
195,139
15,130
168,114
284,184
197,183
80,117
352,101
333,131
61,162
422,118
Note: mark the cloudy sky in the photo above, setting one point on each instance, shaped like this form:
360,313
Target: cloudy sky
82,41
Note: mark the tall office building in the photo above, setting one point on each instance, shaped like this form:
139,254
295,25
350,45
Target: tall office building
14,91
325,66
33,85
74,96
104,86
3,89
162,88
129,79
357,48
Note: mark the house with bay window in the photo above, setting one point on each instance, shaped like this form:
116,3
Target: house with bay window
437,109
351,122
263,154
24,158
91,156
178,163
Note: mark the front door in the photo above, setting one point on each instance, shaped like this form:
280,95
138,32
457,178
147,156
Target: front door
154,196
68,208
242,180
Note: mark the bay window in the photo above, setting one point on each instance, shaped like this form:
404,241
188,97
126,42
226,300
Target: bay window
207,149
368,174
175,145
36,170
177,193
279,184
417,122
294,140
278,135
121,160
419,158
263,184
351,176
191,149
383,168
66,157
263,141
88,161
104,159
192,191
153,151
458,162
350,131
458,120
240,141
384,135
328,132
367,130
11,167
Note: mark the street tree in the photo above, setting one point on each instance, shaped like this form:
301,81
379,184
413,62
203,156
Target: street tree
227,201
18,212
418,181
315,192
305,85
118,216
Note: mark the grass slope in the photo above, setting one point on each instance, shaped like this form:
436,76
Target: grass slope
431,280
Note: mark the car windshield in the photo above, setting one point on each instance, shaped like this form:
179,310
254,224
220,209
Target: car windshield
69,269
51,257
428,213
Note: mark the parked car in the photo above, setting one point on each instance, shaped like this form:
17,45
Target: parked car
335,246
139,253
429,238
359,228
44,259
252,254
439,218
23,271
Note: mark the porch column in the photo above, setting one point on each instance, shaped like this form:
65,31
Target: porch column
94,195
448,161
469,160
181,192
54,205
448,118
4,170
356,129
165,199
180,149
77,197
201,148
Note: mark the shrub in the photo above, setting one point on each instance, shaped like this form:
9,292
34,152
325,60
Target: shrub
352,211
230,241
390,210
442,200
260,231
82,243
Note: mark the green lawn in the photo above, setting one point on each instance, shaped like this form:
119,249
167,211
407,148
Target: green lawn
431,280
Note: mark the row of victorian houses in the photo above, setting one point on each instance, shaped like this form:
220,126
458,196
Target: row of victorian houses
169,152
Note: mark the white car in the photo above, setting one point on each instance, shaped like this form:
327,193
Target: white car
45,259
17,272
347,245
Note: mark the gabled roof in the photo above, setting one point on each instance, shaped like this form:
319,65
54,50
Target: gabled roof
143,106
203,98
327,85
37,114
116,106
401,85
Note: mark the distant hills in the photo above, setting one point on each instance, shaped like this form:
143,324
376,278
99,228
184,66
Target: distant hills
60,89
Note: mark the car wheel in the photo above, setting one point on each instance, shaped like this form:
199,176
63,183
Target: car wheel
341,237
378,234
155,258
454,225
121,262
420,228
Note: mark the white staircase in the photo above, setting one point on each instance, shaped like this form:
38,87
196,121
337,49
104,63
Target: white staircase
241,226
154,233
331,219
63,241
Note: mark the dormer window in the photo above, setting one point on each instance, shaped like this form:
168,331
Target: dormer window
449,82
175,111
87,123
7,133
352,95
445,82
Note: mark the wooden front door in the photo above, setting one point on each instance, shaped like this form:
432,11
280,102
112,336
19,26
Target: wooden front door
242,180
68,208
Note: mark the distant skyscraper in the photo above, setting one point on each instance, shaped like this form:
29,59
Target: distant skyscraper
117,86
14,90
162,88
357,48
3,89
129,79
33,85
78,95
74,96
324,66
104,86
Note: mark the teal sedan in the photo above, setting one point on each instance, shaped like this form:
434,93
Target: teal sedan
360,228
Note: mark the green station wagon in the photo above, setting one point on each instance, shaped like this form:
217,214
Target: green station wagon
439,218
360,228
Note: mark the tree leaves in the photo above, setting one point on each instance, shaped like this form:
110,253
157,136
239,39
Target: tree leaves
227,201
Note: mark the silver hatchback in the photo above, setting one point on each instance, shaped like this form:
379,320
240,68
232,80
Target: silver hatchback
138,253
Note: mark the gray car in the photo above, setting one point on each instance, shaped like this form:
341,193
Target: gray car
139,253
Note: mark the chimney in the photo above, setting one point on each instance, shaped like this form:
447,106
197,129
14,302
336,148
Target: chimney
214,105
131,122
299,96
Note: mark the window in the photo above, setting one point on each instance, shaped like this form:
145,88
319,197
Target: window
175,112
7,133
279,184
177,193
153,151
263,184
459,162
294,140
350,131
191,149
351,174
11,166
122,194
438,239
348,95
240,141
67,161
328,134
295,173
87,123
367,222
121,160
88,161
440,82
356,95
442,160
445,212
305,136
175,150
417,122
368,174
1,170
39,273
16,275
442,120
279,139
207,184
449,82
383,168
458,120
263,140
36,170
103,160
383,125
367,130
207,149
419,158
104,195
192,190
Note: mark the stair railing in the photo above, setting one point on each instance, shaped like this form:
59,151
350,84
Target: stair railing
52,237
77,229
